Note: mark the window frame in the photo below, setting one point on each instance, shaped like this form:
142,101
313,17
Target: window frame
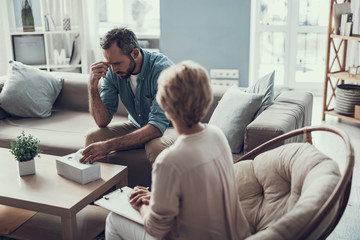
291,31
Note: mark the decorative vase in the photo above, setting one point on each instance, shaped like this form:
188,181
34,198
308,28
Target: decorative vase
27,17
67,23
26,168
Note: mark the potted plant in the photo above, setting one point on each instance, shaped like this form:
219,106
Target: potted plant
25,148
27,17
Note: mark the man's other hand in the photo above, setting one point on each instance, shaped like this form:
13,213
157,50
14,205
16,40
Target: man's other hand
94,152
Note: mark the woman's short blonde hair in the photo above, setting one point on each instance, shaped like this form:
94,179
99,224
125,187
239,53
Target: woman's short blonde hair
184,92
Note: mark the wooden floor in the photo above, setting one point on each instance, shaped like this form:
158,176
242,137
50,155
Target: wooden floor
349,225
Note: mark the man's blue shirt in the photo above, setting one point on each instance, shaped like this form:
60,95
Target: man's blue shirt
142,107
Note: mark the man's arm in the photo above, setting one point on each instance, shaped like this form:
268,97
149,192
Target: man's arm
97,108
138,138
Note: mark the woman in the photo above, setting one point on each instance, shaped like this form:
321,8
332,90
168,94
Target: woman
194,193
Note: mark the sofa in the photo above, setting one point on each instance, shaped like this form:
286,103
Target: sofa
65,130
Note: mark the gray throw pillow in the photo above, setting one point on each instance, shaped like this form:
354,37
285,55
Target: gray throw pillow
29,92
3,114
235,111
265,86
2,81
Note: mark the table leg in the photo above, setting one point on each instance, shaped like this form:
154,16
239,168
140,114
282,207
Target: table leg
122,183
69,227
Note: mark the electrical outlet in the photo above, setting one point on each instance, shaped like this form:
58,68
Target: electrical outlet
224,82
224,73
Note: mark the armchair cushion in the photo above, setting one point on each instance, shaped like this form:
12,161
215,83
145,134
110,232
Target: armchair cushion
282,189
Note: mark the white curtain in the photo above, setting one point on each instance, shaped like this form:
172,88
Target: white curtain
90,39
5,44
353,46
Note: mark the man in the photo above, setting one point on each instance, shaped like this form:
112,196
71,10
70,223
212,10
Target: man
132,73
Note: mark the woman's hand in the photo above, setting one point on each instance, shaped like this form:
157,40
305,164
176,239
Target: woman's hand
139,196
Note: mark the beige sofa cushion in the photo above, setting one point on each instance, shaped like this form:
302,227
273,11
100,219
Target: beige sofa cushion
282,189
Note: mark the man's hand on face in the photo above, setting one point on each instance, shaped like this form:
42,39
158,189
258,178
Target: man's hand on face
94,152
98,70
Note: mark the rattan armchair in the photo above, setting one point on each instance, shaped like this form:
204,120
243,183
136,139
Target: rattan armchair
294,219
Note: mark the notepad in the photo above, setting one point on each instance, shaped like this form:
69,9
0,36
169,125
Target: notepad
118,202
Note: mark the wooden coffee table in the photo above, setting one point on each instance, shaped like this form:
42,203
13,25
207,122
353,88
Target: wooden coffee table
50,194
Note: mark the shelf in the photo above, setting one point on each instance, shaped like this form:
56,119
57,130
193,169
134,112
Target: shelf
37,32
355,38
65,66
344,76
39,66
333,113
152,49
336,59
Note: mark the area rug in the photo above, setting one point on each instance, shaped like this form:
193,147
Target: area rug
11,218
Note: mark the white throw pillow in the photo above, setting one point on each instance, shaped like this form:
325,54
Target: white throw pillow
265,86
235,111
29,92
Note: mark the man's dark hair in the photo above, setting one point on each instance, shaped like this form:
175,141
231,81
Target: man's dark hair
125,39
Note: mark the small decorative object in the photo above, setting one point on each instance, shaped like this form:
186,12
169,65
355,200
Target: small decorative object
353,71
67,23
139,9
347,96
27,17
25,148
49,23
59,58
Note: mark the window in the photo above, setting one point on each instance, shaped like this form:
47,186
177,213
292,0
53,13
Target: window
290,37
141,16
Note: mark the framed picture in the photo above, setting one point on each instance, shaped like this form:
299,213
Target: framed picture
29,49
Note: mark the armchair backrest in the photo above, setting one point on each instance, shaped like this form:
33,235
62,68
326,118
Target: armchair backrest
298,192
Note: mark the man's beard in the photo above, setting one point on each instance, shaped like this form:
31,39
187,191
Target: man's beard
131,68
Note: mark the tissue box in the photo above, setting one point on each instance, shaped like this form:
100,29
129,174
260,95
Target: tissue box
70,167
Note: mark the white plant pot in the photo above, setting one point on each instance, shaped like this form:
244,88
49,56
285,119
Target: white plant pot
26,168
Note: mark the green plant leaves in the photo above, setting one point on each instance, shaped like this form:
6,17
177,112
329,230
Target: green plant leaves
25,147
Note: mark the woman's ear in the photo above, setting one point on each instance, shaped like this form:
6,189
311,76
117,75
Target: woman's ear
168,116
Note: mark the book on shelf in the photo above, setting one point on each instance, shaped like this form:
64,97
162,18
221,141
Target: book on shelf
345,24
49,23
75,57
339,9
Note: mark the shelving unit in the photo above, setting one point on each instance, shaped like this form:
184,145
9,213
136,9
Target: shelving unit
56,41
336,73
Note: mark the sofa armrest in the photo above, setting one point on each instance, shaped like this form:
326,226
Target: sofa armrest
305,99
291,110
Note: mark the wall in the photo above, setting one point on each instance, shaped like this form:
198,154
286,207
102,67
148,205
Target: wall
213,33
